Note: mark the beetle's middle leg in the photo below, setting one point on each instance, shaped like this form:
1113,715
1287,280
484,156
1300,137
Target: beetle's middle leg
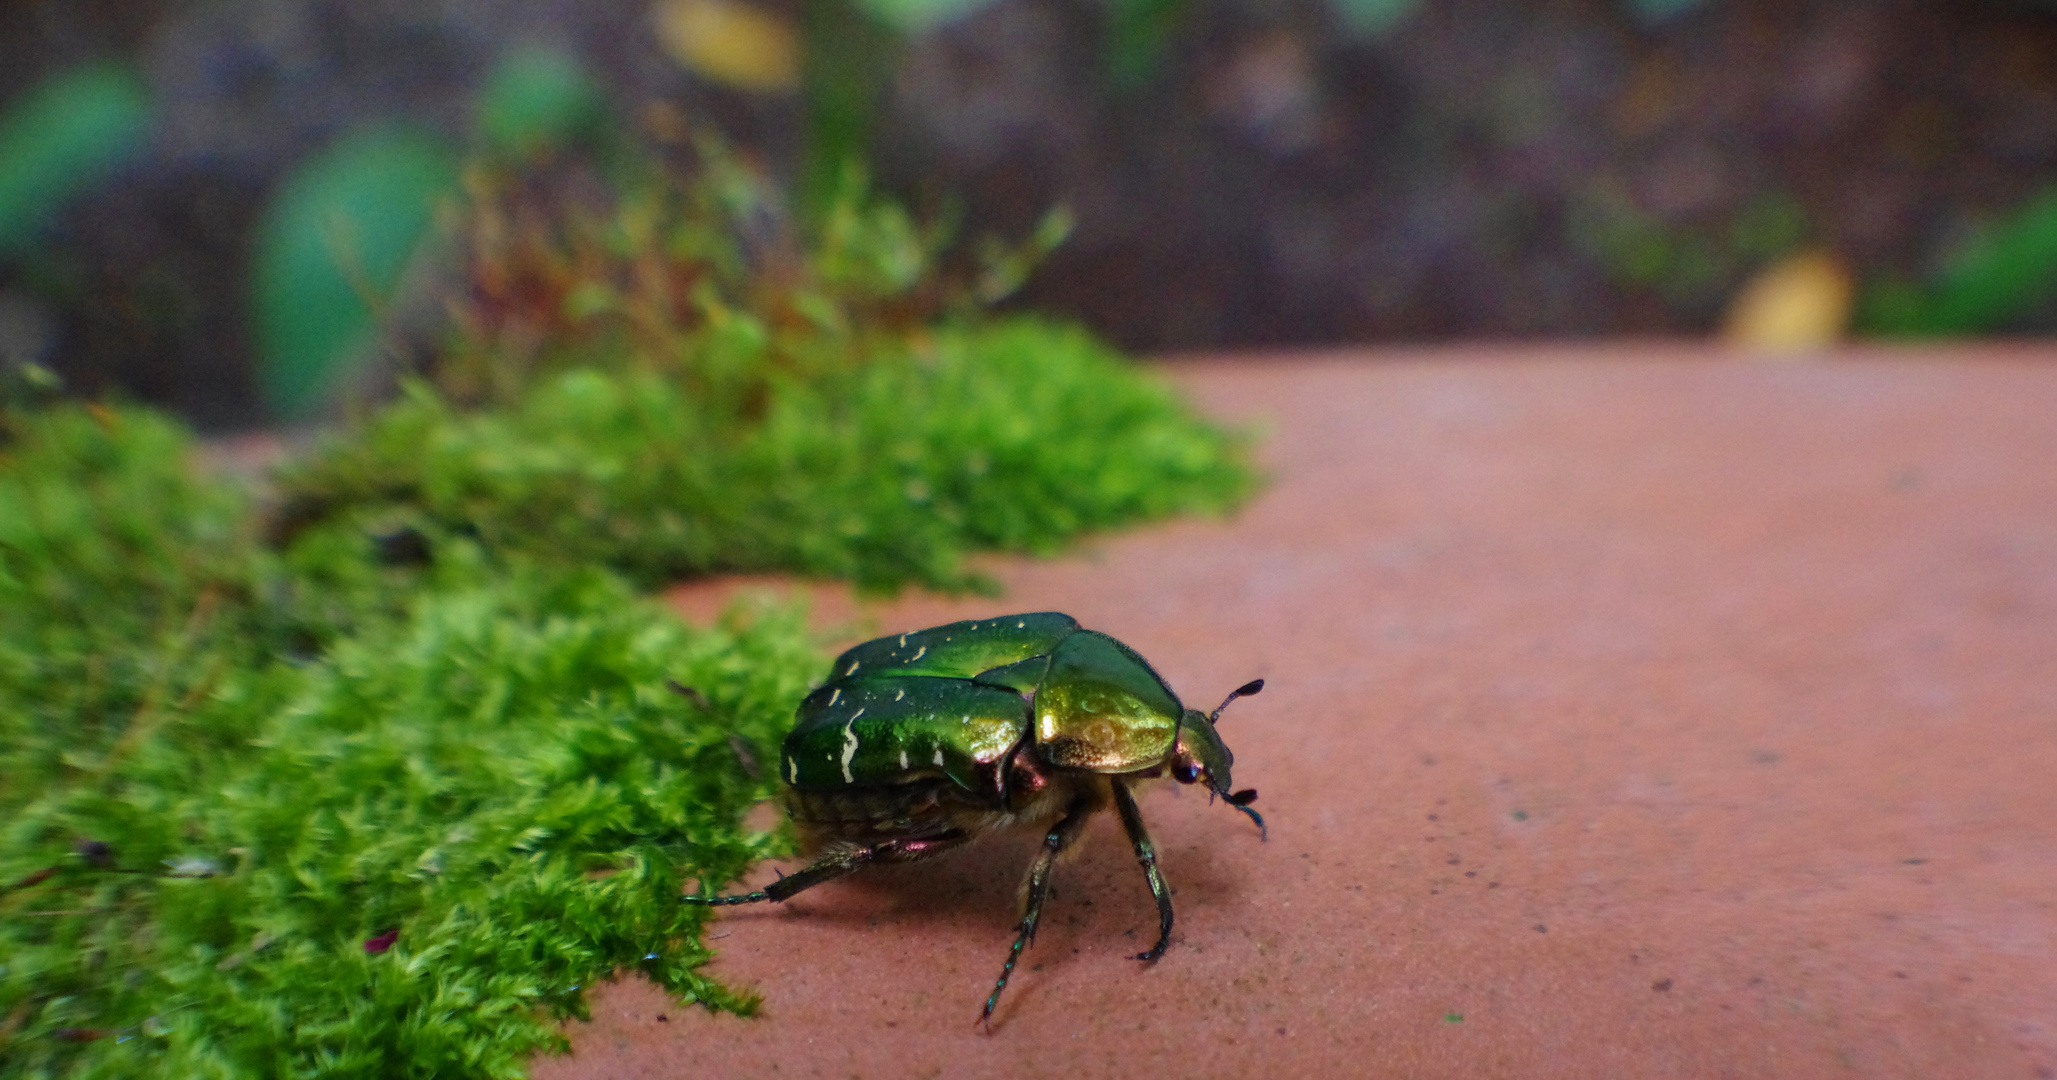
1060,836
838,861
1146,854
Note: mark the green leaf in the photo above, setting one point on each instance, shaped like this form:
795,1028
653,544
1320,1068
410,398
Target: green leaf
1138,35
1374,18
534,99
331,247
2001,273
914,16
1658,12
63,137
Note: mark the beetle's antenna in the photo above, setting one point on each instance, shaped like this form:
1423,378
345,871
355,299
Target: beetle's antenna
1246,690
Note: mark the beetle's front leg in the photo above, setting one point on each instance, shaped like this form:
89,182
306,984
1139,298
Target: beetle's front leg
1056,840
1146,854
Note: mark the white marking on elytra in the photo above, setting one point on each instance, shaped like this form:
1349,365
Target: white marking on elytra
898,694
918,654
903,759
939,755
834,696
850,745
1020,625
903,641
792,770
852,668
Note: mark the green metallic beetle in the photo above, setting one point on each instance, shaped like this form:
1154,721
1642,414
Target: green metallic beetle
920,742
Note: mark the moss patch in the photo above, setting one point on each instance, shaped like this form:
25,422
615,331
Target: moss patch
399,858
1017,435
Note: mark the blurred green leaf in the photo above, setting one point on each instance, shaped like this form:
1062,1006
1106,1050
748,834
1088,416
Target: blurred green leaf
62,137
1892,306
848,59
1770,226
914,16
1138,32
2002,272
330,249
1374,18
536,98
1655,12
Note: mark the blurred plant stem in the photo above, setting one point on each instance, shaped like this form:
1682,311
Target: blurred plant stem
849,57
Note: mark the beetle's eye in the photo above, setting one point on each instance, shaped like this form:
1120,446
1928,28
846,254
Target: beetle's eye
1185,772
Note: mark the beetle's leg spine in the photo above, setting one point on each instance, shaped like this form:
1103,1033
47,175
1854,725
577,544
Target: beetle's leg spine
725,901
1146,854
1056,840
829,867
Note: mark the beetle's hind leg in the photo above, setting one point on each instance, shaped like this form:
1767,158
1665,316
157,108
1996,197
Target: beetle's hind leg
1060,836
838,861
829,867
1146,854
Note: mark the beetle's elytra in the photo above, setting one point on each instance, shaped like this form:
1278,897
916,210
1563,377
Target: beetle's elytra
921,741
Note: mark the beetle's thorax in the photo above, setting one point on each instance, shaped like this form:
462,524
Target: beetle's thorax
1102,708
1200,756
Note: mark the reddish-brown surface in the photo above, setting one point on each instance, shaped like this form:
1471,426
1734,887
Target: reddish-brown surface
1631,713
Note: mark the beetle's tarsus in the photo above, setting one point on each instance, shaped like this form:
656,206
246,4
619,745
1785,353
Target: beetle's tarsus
1146,856
1263,833
728,901
1056,840
1241,800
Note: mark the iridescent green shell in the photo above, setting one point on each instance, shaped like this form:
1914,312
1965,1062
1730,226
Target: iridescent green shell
1103,708
958,650
879,729
958,701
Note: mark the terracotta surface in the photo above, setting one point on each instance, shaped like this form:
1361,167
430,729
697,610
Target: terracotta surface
1632,712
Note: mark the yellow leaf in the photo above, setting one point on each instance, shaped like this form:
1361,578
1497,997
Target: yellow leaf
734,44
1797,304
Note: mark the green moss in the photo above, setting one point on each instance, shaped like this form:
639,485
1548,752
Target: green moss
202,833
1018,435
122,585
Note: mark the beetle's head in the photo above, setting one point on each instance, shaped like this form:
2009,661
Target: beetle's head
1200,757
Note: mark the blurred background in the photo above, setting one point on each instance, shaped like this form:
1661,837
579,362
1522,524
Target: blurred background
194,193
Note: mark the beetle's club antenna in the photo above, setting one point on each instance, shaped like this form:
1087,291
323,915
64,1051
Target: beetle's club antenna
1241,800
1248,689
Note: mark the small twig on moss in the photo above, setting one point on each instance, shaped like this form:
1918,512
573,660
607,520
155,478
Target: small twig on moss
15,1018
149,715
32,880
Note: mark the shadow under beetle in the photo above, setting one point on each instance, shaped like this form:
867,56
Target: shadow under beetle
921,741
